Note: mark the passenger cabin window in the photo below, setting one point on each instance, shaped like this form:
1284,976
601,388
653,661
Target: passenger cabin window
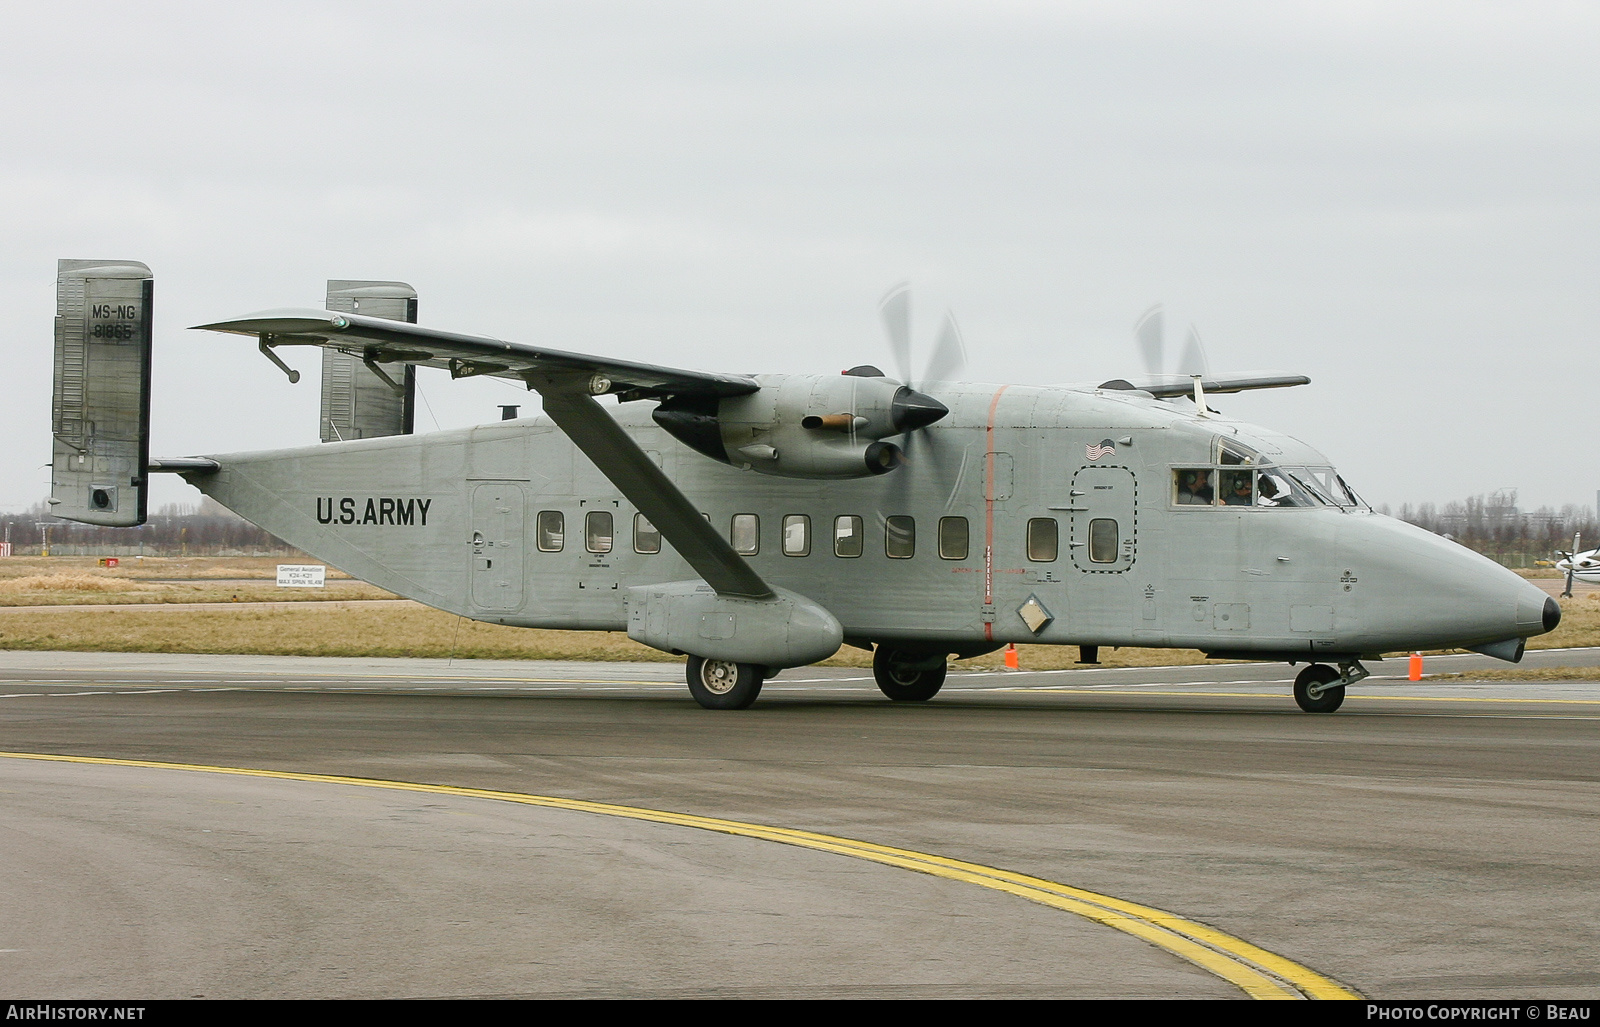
597,531
551,531
745,534
646,539
954,538
900,538
796,535
1103,540
1043,539
848,536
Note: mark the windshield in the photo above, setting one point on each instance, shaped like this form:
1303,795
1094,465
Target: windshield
1325,484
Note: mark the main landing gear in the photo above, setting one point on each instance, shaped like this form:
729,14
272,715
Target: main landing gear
722,684
1320,689
908,677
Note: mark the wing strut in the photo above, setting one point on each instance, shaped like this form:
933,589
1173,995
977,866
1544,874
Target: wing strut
627,466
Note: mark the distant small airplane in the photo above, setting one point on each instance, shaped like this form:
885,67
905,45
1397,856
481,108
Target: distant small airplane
753,522
1579,565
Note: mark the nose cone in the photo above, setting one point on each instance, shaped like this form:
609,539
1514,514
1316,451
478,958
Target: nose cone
1436,594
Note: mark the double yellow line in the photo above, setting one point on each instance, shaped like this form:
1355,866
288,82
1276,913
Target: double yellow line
1259,973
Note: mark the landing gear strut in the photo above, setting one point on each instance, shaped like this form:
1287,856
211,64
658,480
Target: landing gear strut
1319,689
722,684
908,677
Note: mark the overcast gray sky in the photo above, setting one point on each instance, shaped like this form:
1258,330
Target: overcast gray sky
1397,199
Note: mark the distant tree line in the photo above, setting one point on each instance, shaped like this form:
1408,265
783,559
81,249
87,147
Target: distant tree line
206,529
1496,527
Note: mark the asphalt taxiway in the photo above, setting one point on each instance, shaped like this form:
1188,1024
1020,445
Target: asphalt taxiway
1435,839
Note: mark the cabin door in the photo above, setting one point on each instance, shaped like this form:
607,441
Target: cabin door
1104,519
1103,540
496,546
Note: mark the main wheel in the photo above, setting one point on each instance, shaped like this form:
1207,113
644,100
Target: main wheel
1311,689
722,684
905,677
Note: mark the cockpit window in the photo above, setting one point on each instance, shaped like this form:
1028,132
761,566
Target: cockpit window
1230,451
1271,486
1326,485
1234,487
1275,488
1192,486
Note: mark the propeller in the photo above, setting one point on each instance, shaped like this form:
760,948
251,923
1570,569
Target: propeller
1150,333
915,409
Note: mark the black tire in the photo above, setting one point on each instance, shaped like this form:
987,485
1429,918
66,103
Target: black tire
721,684
900,677
1327,699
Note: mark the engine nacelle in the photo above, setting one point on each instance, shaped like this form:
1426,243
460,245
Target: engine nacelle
804,426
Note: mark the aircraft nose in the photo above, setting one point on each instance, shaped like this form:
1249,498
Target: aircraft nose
1445,596
1537,612
1549,615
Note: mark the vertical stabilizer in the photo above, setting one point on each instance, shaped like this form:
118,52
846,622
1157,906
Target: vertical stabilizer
358,402
100,408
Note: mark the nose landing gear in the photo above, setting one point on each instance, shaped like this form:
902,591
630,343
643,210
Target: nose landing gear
1320,689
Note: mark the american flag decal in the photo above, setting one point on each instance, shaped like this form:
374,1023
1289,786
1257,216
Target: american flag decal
1106,448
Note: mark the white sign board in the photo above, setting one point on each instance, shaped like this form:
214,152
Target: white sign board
302,575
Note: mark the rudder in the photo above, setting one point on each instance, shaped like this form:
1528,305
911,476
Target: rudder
100,404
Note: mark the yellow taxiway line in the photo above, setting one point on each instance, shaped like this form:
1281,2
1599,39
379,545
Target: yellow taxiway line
1259,973
1270,695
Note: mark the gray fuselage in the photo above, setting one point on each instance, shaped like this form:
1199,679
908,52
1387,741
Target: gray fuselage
462,520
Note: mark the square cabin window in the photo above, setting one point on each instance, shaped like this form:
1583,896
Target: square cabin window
745,534
796,535
954,538
1103,539
646,537
848,536
900,537
597,531
1043,539
551,531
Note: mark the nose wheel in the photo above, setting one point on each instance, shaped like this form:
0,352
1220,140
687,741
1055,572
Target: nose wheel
1319,689
723,684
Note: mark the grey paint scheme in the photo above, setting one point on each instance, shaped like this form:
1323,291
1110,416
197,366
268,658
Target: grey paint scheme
100,399
1280,582
356,403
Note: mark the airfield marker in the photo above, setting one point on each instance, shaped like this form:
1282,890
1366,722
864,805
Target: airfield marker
1416,666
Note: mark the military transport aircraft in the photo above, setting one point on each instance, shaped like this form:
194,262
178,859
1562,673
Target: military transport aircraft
753,522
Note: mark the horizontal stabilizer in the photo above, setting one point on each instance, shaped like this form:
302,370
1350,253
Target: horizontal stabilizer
185,465
1163,386
378,341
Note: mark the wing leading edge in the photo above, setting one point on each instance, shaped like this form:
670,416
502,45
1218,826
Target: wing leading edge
1164,386
381,341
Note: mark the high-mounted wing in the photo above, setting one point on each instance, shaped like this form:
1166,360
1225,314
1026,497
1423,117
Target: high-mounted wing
1163,386
380,341
568,383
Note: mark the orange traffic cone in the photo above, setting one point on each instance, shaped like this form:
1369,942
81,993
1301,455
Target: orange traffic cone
1416,666
1011,657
